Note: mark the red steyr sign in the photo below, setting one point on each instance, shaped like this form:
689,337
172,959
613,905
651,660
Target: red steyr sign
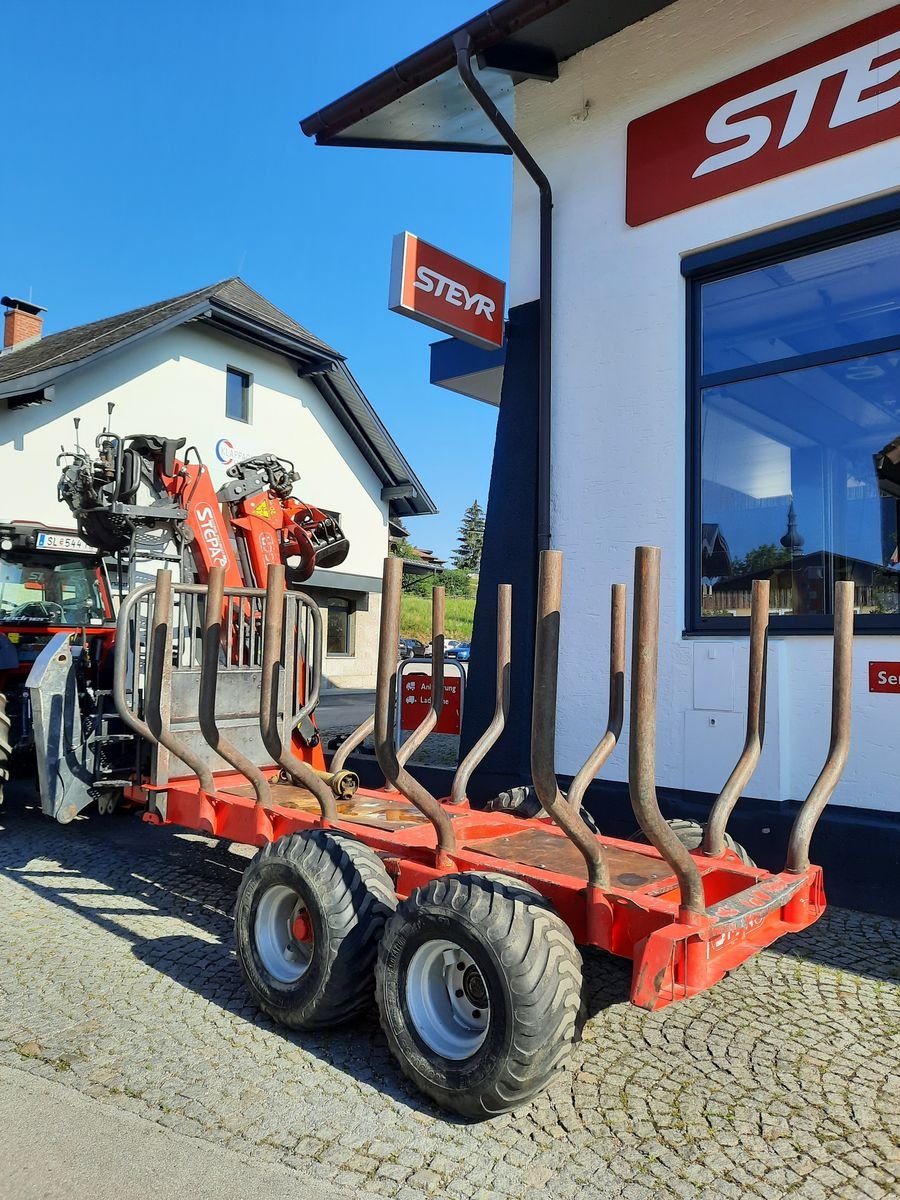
829,98
415,701
884,677
432,286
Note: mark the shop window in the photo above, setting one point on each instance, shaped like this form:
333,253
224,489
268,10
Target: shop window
340,626
237,394
796,435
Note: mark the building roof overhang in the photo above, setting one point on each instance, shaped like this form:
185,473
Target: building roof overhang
421,104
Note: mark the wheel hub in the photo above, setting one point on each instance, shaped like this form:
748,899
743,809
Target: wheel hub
283,934
447,999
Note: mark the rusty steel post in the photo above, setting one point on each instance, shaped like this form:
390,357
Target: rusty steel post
543,721
606,745
473,759
211,645
159,683
841,695
427,724
714,834
120,663
642,736
270,689
394,773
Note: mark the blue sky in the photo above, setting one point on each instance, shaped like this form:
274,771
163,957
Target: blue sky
152,148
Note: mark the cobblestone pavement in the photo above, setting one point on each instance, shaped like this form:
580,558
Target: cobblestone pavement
118,979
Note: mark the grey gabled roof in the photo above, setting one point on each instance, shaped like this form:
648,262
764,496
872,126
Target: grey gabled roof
238,310
84,341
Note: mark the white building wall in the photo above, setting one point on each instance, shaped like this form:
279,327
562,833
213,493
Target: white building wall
618,440
173,384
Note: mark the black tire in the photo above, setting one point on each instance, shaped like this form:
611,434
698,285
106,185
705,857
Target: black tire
346,894
5,744
527,978
690,834
523,802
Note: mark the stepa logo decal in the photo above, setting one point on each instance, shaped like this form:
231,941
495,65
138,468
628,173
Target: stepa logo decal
225,451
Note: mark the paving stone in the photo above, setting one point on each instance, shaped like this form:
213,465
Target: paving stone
781,1081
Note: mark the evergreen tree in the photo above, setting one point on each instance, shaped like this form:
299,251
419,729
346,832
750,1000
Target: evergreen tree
467,555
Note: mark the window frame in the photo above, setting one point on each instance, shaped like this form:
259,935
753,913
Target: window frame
823,232
246,394
333,601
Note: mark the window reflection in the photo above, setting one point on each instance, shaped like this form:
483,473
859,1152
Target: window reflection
801,486
814,302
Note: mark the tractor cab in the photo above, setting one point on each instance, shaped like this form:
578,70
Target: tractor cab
51,581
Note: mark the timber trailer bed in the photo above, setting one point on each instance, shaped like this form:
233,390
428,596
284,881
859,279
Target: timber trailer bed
468,920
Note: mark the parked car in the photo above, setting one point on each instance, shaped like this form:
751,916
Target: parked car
462,651
412,648
450,645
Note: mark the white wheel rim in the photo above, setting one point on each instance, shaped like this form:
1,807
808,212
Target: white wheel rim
281,955
447,999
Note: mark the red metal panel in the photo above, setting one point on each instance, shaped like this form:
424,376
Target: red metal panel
884,676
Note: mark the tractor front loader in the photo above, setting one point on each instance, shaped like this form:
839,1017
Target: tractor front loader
462,925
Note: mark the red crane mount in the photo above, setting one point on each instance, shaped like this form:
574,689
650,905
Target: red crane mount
144,502
467,920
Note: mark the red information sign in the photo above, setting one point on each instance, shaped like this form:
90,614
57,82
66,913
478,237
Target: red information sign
884,677
415,701
829,98
432,286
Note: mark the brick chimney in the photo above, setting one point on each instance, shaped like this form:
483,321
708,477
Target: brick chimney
22,321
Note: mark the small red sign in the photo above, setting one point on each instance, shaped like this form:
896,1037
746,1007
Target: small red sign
828,98
415,701
432,286
884,677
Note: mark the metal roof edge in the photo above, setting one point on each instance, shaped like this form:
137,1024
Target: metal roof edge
484,30
37,379
222,315
395,473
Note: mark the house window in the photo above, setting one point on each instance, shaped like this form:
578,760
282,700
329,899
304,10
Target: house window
237,394
796,435
340,626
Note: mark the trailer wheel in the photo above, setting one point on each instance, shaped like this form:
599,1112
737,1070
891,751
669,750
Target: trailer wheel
690,834
523,802
478,985
310,911
5,744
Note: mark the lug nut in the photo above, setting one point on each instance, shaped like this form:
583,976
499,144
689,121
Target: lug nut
459,993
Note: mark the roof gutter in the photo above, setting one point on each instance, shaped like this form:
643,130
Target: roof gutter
486,30
464,51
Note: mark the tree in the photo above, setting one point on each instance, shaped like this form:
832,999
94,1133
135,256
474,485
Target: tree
759,558
467,555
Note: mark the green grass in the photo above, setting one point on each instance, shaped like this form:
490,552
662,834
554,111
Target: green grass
415,617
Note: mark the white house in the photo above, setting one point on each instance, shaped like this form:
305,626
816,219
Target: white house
724,334
236,376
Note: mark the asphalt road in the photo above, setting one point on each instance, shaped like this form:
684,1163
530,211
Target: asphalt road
341,710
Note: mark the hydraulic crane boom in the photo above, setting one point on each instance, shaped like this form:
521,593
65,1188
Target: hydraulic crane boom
136,498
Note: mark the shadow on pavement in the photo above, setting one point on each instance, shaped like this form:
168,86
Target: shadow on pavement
169,873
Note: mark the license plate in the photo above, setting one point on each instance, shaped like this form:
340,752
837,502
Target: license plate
63,541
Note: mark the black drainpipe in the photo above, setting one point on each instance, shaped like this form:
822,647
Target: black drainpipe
463,45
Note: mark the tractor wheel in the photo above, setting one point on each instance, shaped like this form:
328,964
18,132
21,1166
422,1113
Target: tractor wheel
479,991
690,834
5,744
310,911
